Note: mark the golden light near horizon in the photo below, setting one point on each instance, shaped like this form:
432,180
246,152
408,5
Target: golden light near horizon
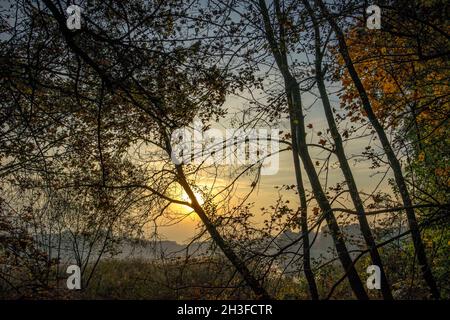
180,194
186,210
198,196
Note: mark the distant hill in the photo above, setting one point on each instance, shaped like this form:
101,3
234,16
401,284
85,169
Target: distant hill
71,250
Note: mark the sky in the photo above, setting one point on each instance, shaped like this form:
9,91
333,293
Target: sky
265,194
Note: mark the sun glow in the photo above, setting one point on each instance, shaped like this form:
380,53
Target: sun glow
185,209
198,196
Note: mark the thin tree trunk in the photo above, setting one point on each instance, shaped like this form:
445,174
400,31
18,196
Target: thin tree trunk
345,167
295,106
324,204
393,161
237,262
313,292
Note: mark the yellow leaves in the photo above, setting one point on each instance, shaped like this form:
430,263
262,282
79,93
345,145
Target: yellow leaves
394,77
439,171
27,90
421,156
389,87
442,172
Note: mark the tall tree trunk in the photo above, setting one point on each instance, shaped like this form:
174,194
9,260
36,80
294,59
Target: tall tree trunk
237,262
313,292
393,161
345,167
338,238
295,108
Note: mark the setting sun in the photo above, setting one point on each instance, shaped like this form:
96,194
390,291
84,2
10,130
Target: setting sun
198,196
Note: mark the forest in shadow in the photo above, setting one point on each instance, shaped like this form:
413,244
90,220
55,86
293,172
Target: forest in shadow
224,149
